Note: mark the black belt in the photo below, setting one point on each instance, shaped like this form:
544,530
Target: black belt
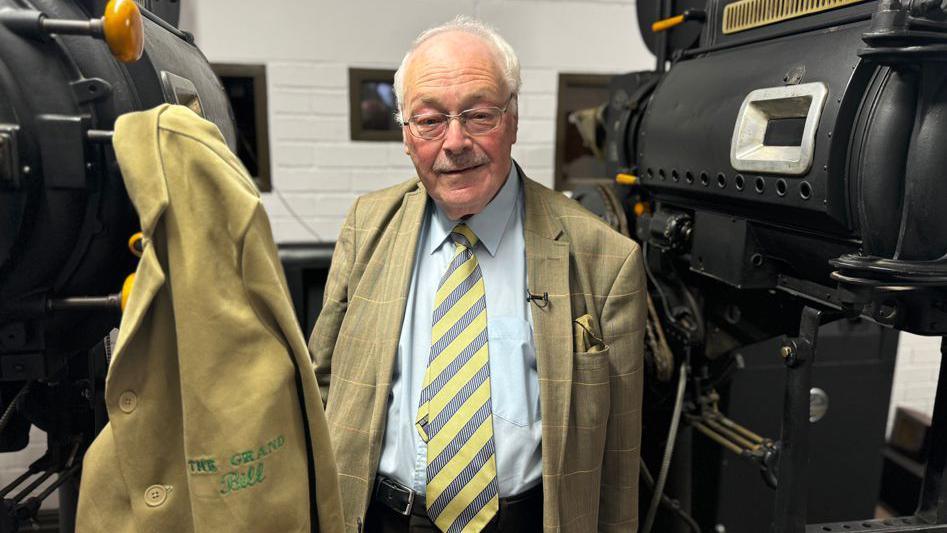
399,498
405,501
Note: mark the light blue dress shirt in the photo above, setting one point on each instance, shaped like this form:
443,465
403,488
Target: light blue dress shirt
514,382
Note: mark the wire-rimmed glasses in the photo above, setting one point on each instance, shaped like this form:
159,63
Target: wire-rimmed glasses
476,121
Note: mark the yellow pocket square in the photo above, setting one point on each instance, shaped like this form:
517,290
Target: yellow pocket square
584,337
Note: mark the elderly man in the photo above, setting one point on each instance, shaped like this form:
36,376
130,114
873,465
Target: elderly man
480,346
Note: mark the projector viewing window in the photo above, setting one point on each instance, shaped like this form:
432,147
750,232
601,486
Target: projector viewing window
245,86
372,105
784,131
775,129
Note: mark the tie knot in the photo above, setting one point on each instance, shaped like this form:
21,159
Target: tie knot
464,236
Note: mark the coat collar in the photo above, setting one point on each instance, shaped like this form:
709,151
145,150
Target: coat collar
489,225
138,152
538,219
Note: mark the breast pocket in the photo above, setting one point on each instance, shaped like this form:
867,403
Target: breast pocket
590,387
514,385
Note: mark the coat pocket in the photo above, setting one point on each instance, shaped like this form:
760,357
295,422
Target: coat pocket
590,387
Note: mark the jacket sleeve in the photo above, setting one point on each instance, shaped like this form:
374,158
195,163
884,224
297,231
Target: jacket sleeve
623,324
334,304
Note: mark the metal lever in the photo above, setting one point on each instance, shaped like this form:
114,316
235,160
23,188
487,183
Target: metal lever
670,22
736,438
121,27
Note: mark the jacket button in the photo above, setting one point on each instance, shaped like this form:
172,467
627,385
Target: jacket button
156,495
128,401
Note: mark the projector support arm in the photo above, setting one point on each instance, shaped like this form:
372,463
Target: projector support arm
791,494
931,514
792,485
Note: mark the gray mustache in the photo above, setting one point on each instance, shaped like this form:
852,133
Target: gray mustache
460,162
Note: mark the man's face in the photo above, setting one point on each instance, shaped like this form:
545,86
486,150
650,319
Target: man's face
450,73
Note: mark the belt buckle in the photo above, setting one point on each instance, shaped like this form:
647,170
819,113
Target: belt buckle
407,509
394,485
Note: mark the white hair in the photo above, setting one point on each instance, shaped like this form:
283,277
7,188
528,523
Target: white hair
506,58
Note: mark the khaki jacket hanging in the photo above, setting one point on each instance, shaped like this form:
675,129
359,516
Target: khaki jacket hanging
216,422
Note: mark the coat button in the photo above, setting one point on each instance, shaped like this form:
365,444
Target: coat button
156,495
128,401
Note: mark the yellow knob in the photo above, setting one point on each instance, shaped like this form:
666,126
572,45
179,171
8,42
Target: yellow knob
626,179
666,24
123,30
135,244
127,289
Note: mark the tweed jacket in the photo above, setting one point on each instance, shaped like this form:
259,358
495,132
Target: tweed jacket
216,423
589,350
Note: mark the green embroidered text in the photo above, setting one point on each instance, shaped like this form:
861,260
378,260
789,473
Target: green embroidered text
238,480
207,465
249,456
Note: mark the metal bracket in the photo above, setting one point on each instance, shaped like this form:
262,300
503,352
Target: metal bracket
90,89
799,354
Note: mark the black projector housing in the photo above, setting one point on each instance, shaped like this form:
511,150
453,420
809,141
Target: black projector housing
782,167
858,94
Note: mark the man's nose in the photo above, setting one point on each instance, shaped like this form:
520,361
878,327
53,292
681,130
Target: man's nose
456,138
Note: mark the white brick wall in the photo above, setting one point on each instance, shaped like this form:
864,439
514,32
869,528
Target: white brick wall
308,47
915,374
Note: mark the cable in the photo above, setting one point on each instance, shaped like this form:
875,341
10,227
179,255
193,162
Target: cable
695,311
654,281
663,357
8,413
296,216
668,450
691,303
673,505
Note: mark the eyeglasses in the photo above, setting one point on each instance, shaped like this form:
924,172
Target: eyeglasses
477,121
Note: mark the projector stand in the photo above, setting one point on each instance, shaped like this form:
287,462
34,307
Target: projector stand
791,491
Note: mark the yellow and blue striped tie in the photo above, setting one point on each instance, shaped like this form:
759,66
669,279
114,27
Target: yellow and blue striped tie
455,416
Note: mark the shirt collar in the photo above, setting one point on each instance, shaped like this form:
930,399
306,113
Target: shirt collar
488,224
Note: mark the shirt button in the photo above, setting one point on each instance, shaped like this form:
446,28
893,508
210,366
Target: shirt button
128,401
156,495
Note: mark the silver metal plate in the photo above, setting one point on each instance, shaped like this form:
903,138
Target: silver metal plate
748,153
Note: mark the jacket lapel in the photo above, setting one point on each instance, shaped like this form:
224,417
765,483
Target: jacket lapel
547,271
393,285
143,175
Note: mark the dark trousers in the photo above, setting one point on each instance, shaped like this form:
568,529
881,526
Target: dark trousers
522,513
